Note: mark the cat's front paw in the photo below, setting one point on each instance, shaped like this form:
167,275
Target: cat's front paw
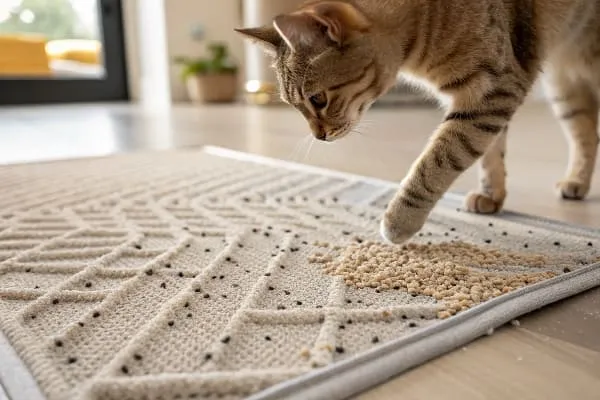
397,227
481,203
572,190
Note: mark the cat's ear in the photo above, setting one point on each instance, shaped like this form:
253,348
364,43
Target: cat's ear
335,21
265,36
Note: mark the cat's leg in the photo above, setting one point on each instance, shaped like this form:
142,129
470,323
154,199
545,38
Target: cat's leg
463,138
575,104
490,196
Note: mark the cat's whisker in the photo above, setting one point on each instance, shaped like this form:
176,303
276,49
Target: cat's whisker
301,144
309,149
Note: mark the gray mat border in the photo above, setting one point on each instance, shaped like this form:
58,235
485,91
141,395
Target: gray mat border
363,371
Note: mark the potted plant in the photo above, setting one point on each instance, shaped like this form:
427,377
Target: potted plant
210,79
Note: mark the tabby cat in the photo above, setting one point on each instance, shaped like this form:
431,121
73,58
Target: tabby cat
480,58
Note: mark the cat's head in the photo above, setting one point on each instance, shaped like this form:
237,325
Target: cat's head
326,63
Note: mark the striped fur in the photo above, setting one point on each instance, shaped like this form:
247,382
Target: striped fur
480,58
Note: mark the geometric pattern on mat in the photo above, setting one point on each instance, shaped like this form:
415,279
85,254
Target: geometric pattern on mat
178,275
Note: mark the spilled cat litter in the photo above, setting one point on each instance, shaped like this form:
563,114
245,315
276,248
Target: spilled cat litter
211,274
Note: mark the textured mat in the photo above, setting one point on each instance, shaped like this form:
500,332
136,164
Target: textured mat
214,275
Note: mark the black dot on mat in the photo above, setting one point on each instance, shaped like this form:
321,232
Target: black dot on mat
557,243
163,285
377,291
124,369
149,272
267,234
213,277
168,266
304,242
268,338
268,274
137,246
197,290
188,245
429,243
254,230
81,324
228,259
359,240
296,235
319,306
137,357
287,231
72,360
36,287
88,284
55,301
488,241
207,250
566,270
490,224
529,231
282,266
590,244
186,305
420,234
359,301
396,287
299,303
185,228
287,292
504,233
28,270
271,288
452,229
339,349
207,356
349,301
342,327
33,317
189,315
446,234
349,322
280,307
224,296
404,317
247,271
226,339
412,324
203,234
526,245
58,343
180,274
375,340
222,277
171,323
207,296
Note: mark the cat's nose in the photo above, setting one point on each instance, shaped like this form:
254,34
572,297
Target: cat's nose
319,130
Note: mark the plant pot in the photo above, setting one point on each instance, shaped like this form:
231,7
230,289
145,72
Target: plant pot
212,88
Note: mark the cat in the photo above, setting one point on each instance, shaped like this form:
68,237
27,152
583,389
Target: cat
333,59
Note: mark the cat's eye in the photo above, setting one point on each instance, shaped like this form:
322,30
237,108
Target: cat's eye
318,100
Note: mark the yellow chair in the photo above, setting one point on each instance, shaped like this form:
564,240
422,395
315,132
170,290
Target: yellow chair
23,55
77,50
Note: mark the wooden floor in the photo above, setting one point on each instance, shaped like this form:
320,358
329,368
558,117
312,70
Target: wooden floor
554,354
